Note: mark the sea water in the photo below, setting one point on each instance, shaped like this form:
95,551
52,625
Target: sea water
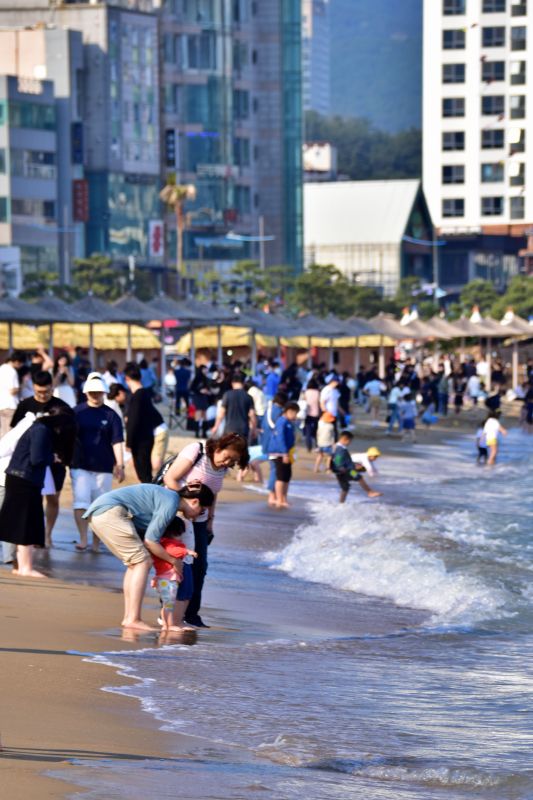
438,709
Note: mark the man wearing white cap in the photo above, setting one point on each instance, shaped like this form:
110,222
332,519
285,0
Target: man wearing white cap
98,453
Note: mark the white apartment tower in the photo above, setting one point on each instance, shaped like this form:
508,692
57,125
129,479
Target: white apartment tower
478,117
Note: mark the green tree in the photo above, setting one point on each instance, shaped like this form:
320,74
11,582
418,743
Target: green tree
519,297
364,152
478,293
37,284
324,290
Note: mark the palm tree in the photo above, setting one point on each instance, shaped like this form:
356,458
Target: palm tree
175,196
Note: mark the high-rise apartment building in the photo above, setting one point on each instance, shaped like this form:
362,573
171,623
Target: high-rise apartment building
316,36
477,132
231,76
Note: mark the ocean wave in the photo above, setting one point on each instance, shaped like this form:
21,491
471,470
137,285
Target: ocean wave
382,551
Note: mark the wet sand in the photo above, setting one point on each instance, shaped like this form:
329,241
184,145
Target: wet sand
53,709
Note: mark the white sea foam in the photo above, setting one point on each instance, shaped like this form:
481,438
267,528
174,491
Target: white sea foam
379,550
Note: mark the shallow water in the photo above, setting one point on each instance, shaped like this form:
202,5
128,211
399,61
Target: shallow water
437,710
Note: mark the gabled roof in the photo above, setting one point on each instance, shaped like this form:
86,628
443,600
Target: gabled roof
357,212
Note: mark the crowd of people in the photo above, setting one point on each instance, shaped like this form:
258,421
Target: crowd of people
58,414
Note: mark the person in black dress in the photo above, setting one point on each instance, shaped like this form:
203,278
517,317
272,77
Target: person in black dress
50,438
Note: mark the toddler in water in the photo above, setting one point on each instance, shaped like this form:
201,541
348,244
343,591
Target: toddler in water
167,580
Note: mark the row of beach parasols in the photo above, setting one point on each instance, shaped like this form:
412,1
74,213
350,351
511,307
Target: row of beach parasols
192,314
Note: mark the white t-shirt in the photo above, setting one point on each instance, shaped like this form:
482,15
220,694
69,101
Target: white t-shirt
203,471
259,398
9,379
491,428
329,398
363,459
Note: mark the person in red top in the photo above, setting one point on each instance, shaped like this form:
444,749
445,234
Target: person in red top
168,577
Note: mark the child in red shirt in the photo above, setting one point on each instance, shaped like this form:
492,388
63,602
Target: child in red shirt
166,577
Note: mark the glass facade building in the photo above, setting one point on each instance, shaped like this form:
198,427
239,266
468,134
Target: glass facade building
231,73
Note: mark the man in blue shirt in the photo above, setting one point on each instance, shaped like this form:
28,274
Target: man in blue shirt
183,379
125,517
280,447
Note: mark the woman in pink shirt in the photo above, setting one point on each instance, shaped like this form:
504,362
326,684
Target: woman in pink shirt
207,464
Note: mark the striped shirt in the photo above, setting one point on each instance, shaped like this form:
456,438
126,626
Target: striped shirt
203,471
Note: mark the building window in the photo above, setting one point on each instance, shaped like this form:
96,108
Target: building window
453,107
453,174
492,139
491,206
518,106
454,207
517,140
241,152
453,39
453,140
33,208
492,104
518,38
493,5
241,104
2,161
493,37
517,208
32,115
492,173
450,7
493,71
4,211
33,164
519,8
518,72
517,173
453,73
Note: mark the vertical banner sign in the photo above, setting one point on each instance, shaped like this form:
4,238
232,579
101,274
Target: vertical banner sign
170,147
156,243
76,141
80,200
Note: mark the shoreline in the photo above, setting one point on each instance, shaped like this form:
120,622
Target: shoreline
51,690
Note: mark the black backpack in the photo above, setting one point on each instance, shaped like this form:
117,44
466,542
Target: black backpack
159,478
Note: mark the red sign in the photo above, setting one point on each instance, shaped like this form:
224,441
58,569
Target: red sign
156,242
80,200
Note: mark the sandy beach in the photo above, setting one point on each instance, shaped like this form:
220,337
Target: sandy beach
53,709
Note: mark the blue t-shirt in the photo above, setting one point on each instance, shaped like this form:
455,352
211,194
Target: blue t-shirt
183,378
271,384
151,507
99,428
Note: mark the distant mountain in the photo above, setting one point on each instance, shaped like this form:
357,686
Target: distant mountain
376,61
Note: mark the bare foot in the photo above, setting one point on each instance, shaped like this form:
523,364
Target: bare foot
374,494
284,505
179,628
48,543
29,573
95,549
137,625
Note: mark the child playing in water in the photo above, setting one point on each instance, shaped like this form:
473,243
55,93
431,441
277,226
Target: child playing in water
345,469
492,428
168,583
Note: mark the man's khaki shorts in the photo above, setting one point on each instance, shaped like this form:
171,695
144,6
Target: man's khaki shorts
159,449
116,530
